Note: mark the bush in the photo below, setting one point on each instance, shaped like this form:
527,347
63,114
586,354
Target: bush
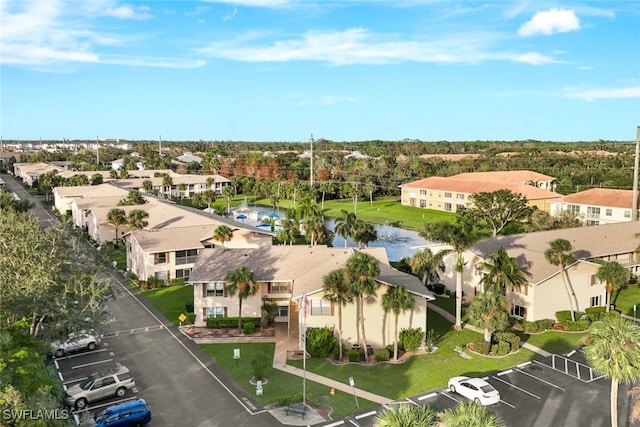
320,342
563,316
481,347
578,325
178,281
411,338
248,327
382,354
269,311
546,324
191,319
431,341
355,355
259,365
595,313
438,288
503,348
230,322
188,306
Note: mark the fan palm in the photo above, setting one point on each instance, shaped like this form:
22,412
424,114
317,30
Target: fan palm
117,217
345,226
336,290
501,272
490,312
560,254
397,300
614,275
426,264
469,414
240,281
222,234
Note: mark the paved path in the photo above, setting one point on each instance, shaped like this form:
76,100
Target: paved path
450,317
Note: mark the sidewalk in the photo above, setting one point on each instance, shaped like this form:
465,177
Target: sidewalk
451,318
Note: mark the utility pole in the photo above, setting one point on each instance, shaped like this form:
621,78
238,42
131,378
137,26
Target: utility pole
311,175
97,151
636,171
160,146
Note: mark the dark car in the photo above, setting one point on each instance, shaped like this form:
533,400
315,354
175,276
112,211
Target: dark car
133,413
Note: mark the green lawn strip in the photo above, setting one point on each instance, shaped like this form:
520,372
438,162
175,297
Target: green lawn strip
170,301
554,341
280,385
626,298
421,373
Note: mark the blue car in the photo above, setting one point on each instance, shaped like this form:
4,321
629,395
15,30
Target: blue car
133,413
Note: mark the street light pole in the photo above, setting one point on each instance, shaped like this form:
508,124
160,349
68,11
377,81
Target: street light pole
636,171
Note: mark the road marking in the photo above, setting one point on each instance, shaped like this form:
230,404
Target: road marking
508,404
368,414
91,364
516,387
522,365
541,380
571,353
71,356
505,372
354,423
338,423
116,402
450,397
133,331
427,396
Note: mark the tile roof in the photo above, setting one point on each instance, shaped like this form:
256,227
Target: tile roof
91,191
471,187
587,242
306,266
504,176
602,197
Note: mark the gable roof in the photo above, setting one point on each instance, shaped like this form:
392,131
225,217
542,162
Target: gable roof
305,266
587,242
517,176
602,197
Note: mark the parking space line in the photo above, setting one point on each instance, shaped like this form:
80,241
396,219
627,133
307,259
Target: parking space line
427,396
540,379
508,404
337,423
505,372
71,356
91,364
450,397
516,387
116,402
368,414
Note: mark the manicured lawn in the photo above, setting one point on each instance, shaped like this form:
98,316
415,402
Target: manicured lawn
626,298
280,385
170,301
420,373
554,341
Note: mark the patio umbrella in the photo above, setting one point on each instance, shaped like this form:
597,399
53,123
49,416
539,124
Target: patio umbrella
241,216
274,215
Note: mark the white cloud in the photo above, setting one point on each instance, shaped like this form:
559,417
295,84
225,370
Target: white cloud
606,93
231,15
549,22
254,3
127,12
534,58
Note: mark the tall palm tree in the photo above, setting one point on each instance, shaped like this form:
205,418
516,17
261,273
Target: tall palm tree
469,414
167,182
614,275
460,235
147,185
314,228
614,353
182,187
336,290
397,300
240,281
222,234
360,273
137,219
489,311
426,264
117,217
407,415
560,254
133,198
501,272
345,226
363,233
228,193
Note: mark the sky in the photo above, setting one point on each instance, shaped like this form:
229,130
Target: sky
342,70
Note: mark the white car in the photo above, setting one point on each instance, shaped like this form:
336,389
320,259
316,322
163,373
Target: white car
75,342
476,389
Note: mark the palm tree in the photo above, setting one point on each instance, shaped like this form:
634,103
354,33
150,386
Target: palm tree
363,233
222,234
228,193
137,219
635,410
133,198
345,225
314,229
117,217
360,274
426,264
397,300
369,188
240,281
407,415
336,290
501,272
182,187
147,185
167,182
614,275
460,235
614,353
469,414
489,311
560,254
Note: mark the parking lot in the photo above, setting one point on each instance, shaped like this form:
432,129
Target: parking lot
559,390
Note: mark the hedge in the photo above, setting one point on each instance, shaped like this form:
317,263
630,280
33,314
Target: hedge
230,322
595,313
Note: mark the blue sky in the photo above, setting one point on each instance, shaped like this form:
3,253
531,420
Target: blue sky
344,70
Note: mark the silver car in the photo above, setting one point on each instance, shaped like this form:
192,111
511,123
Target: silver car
83,340
99,386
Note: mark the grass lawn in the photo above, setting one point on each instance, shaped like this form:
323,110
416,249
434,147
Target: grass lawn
170,301
554,341
626,298
419,373
280,385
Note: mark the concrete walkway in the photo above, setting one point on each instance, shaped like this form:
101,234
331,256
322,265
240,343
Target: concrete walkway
451,318
285,343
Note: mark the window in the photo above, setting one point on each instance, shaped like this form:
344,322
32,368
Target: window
595,281
160,258
279,288
215,289
186,257
595,301
161,275
592,222
216,311
447,195
519,311
460,196
283,311
184,273
593,212
423,203
423,192
609,212
320,307
627,214
447,207
574,209
459,207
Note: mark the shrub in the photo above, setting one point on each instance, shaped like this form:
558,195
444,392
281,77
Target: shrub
355,355
259,365
546,324
595,313
320,341
563,316
481,346
503,348
578,325
230,322
382,354
514,342
411,338
431,340
191,319
188,306
248,327
269,311
178,281
438,288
